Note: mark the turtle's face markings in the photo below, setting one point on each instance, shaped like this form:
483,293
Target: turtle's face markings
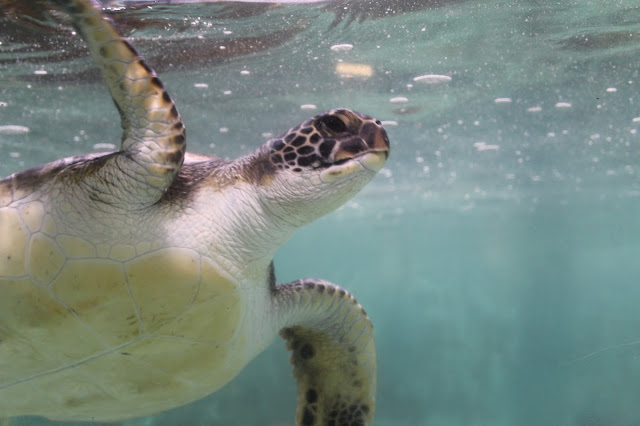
335,144
317,166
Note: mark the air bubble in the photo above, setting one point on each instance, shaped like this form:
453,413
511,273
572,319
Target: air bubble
432,79
344,47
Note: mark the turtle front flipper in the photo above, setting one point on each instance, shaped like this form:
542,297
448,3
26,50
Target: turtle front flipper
153,140
334,357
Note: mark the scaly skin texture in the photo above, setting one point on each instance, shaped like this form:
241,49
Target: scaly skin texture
139,280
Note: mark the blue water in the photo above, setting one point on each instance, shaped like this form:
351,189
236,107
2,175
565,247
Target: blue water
497,252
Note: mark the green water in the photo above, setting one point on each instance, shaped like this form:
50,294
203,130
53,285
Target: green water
497,252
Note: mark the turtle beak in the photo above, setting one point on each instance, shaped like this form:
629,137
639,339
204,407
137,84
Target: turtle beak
377,156
381,140
368,151
374,160
370,148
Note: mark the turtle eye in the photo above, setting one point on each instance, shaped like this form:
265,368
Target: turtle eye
333,123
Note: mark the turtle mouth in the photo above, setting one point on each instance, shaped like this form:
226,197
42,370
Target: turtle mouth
324,165
368,159
371,161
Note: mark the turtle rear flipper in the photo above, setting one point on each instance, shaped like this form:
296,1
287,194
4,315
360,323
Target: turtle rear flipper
334,356
153,140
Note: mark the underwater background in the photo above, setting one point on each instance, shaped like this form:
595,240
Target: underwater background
497,253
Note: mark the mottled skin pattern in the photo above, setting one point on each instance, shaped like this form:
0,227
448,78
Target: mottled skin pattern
142,279
311,144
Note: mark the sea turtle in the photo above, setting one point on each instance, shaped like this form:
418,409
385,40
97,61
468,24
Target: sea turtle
142,279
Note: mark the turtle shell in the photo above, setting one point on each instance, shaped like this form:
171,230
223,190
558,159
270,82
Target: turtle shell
85,322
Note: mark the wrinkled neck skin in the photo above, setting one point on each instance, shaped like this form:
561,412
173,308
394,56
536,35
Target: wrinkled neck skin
250,220
243,228
243,233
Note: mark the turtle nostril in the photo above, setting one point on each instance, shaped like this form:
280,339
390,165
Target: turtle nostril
333,123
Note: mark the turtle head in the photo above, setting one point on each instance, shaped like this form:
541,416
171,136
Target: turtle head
323,162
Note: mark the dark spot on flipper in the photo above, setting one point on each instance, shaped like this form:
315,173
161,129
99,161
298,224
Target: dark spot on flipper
308,419
175,156
312,396
174,111
155,81
307,351
178,125
179,139
134,51
166,97
342,414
